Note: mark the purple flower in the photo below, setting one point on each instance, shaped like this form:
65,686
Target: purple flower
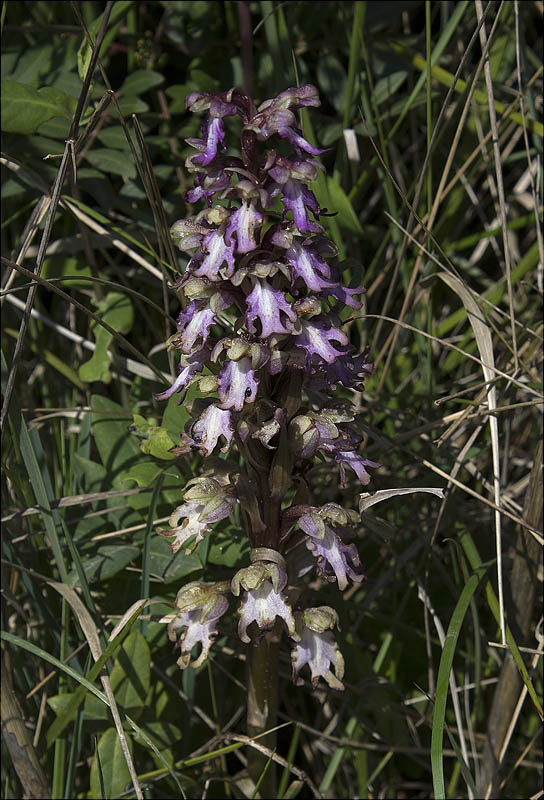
350,370
330,549
317,648
243,223
213,134
296,197
316,339
218,252
207,184
191,526
296,97
357,463
188,367
345,295
199,606
307,265
219,105
237,384
262,605
194,323
263,599
268,305
212,424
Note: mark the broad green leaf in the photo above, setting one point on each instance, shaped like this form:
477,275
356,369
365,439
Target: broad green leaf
143,474
166,565
227,548
388,86
176,415
132,105
107,561
114,137
154,440
340,202
90,476
116,309
33,63
141,81
113,765
58,266
112,161
164,736
24,108
332,79
131,674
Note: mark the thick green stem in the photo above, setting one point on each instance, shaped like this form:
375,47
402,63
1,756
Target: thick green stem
262,708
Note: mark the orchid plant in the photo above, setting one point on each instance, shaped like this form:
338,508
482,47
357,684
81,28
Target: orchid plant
260,271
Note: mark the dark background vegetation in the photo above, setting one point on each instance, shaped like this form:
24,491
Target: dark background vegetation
406,79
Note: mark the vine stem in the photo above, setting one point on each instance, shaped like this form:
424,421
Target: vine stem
262,708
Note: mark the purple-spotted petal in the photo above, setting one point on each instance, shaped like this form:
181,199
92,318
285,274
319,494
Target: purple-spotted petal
212,424
306,264
194,323
237,384
316,339
218,252
213,134
242,224
186,375
191,526
356,462
331,550
320,652
299,141
297,198
270,307
262,605
197,632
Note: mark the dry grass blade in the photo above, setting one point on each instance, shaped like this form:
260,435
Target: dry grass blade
482,334
91,634
368,499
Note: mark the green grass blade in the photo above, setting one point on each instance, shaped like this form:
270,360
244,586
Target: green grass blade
443,682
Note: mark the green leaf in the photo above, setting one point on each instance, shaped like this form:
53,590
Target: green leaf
33,63
112,161
143,474
443,681
332,79
389,85
227,548
24,109
131,674
141,81
58,266
116,309
108,560
166,565
114,768
340,202
155,440
84,54
132,105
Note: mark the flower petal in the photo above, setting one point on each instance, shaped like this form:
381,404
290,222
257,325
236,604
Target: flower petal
268,305
262,605
320,652
237,384
212,424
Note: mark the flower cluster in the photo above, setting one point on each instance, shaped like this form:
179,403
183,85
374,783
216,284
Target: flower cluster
261,337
